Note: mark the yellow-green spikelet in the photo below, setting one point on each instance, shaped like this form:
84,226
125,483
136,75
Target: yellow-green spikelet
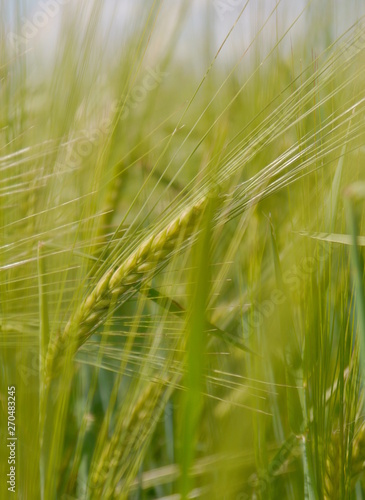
119,284
128,434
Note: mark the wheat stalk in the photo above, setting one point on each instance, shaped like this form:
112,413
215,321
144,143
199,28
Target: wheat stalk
358,454
117,285
333,463
129,434
332,468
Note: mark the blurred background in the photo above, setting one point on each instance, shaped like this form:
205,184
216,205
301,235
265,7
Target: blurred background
120,119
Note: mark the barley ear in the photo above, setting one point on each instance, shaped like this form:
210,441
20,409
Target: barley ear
117,285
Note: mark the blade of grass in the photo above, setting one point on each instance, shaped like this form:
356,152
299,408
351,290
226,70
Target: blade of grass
43,345
196,344
174,307
357,276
